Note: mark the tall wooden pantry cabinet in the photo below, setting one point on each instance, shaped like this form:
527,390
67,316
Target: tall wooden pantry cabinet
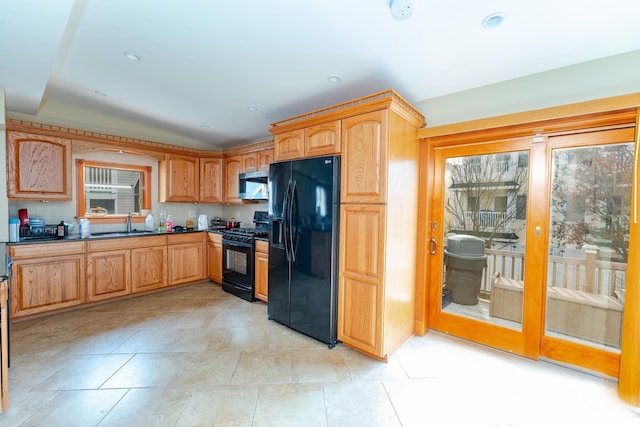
378,217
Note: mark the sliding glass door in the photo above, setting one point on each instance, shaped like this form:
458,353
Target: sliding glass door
480,242
529,245
588,228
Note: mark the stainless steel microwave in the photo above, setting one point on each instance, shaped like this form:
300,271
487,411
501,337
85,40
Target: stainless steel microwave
253,186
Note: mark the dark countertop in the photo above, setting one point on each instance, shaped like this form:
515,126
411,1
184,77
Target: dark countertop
105,235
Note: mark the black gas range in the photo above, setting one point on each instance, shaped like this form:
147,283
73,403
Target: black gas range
238,257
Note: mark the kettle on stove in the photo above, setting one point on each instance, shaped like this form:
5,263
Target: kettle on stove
203,222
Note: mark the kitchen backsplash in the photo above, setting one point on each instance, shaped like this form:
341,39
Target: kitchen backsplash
54,211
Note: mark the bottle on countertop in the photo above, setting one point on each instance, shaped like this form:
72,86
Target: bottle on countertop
14,230
163,225
169,223
61,230
149,223
84,228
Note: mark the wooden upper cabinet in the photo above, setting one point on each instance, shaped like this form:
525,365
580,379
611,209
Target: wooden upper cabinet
211,180
250,162
232,168
265,158
364,158
179,178
289,145
38,167
322,140
257,161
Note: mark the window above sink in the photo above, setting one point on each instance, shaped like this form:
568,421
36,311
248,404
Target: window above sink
108,192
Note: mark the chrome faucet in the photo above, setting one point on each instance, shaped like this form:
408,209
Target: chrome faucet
129,223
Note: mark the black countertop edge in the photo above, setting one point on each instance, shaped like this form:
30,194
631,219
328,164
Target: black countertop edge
109,235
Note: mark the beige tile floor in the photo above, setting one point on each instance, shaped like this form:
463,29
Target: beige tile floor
196,356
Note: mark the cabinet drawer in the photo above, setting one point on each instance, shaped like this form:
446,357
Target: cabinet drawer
214,238
125,243
175,239
262,246
37,250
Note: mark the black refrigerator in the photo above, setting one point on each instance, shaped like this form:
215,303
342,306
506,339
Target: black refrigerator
304,207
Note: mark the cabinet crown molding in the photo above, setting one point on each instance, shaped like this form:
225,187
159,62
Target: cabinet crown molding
388,99
84,140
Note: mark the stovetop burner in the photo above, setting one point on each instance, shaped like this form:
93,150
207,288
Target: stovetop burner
245,235
253,232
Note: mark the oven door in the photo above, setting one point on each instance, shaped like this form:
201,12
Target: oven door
237,269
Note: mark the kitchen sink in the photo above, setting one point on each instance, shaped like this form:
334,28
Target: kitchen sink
108,234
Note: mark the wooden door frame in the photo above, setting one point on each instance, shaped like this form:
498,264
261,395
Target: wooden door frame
597,114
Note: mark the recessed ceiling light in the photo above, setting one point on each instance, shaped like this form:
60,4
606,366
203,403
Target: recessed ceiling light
334,79
99,92
132,56
493,20
252,109
401,9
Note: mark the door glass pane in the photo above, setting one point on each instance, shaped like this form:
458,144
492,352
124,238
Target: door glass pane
236,261
588,241
485,201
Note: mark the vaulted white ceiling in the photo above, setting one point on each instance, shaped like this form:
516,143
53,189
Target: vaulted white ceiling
205,62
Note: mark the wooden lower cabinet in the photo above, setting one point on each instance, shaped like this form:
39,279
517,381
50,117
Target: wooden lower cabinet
262,270
119,267
148,268
41,282
361,286
360,320
108,274
376,294
98,270
64,284
186,258
214,257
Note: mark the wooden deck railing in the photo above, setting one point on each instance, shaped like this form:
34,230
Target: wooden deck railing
589,275
485,219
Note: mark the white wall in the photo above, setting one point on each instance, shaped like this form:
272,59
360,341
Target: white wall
601,78
4,217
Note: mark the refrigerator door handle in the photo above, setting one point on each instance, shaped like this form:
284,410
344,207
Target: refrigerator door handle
293,220
286,221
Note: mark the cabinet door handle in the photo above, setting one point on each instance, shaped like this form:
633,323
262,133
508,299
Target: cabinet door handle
434,245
